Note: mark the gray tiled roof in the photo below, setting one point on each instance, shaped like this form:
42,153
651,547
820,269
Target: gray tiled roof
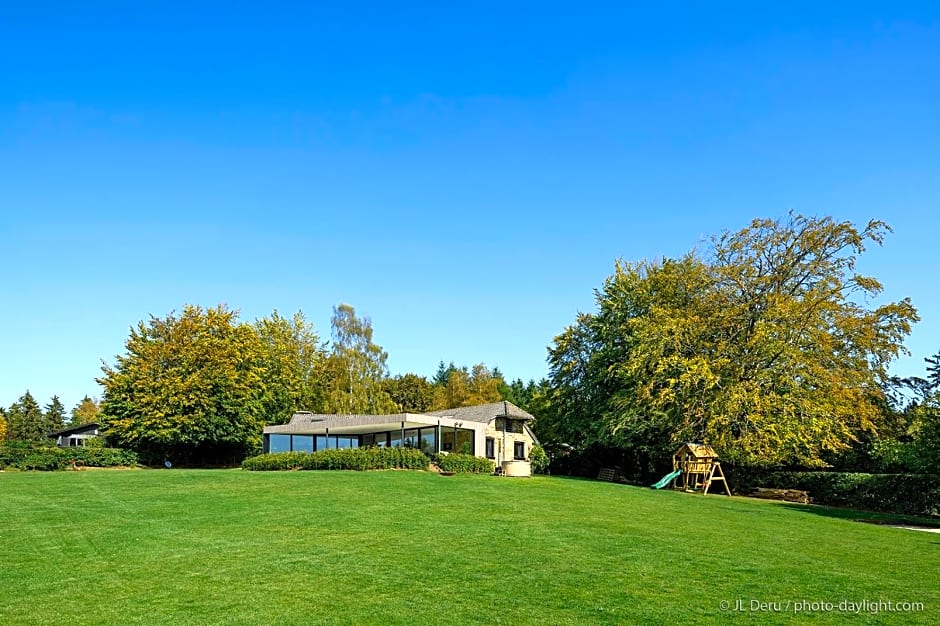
484,412
302,417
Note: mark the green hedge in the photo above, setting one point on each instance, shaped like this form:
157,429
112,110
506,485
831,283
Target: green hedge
465,464
29,456
904,494
341,459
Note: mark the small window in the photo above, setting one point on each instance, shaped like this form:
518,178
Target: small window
519,451
490,448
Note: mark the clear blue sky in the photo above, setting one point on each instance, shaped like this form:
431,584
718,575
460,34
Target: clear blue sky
465,175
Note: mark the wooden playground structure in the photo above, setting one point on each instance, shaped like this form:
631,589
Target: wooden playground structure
695,467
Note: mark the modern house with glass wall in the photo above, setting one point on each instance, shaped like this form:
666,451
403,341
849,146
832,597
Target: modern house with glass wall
498,431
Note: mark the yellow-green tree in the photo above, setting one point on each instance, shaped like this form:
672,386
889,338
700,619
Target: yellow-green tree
190,387
764,347
461,386
84,412
3,426
294,360
411,393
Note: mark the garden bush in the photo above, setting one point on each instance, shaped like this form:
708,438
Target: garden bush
340,459
539,460
905,494
24,455
465,464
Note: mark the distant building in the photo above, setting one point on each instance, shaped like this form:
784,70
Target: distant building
75,436
499,431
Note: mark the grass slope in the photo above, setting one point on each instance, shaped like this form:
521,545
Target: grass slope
232,547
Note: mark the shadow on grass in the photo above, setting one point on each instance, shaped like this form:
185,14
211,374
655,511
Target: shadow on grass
868,517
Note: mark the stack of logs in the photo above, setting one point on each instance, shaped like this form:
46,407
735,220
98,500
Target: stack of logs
789,495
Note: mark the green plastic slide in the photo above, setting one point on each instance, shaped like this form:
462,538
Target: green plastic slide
666,480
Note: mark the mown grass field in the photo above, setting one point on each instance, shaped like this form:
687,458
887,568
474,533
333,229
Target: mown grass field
397,547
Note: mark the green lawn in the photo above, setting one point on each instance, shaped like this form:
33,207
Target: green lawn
232,547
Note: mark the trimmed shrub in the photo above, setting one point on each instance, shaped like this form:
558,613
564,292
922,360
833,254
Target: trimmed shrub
465,464
100,457
904,494
539,460
31,456
340,459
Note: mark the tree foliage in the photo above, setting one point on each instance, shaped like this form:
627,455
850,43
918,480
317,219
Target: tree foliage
84,412
356,367
412,393
470,386
3,425
764,348
190,387
294,360
25,420
54,415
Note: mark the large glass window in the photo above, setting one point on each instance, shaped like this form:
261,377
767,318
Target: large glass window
278,443
429,440
447,439
303,443
394,439
321,442
411,438
465,442
460,441
345,442
519,451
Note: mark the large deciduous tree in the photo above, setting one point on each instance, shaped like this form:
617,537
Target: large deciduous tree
84,412
294,361
356,367
190,387
411,393
470,386
766,347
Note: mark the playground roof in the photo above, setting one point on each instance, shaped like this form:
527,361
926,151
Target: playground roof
699,450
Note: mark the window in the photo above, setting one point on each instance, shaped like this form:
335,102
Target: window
490,448
519,451
508,425
429,440
465,442
447,439
279,443
302,443
321,442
